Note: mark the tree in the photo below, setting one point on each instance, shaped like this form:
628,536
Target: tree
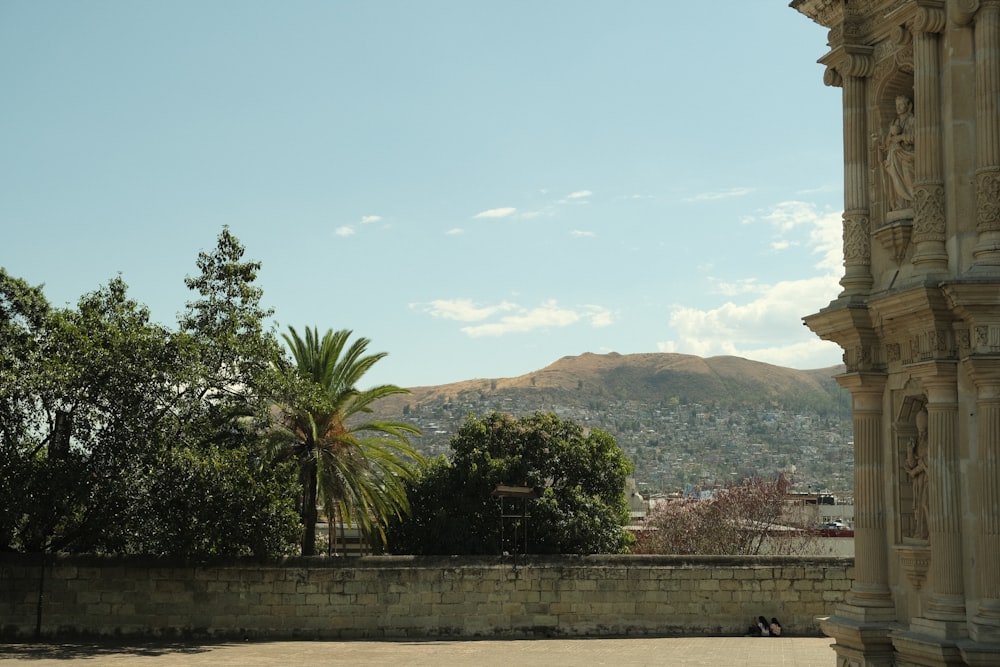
357,467
120,435
741,519
579,475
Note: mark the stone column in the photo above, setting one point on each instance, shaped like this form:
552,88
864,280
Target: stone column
987,249
986,496
928,179
869,596
851,71
946,604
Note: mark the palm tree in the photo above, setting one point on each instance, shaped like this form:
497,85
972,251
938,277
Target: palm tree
355,466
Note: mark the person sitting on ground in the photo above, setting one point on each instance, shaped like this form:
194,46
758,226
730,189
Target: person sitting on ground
765,628
775,627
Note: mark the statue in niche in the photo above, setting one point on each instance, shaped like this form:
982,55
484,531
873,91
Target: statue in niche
899,155
916,470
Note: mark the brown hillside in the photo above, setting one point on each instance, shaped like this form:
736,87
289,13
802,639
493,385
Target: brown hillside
650,377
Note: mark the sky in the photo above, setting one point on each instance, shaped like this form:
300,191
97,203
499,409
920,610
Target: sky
479,188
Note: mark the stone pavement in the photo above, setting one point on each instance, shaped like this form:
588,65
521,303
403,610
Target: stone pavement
675,651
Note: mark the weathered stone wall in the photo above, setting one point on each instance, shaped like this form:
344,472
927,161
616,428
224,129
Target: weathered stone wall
395,597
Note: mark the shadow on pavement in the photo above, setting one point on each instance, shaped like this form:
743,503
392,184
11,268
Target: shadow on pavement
76,650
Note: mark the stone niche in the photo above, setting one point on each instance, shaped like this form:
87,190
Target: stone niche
919,323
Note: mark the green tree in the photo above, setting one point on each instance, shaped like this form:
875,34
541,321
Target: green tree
120,435
355,466
579,475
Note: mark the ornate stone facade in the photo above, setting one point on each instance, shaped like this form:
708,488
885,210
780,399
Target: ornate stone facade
919,323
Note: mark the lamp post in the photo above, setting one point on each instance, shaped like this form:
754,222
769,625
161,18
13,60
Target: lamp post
525,493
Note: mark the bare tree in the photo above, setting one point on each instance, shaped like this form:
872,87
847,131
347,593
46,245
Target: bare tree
745,518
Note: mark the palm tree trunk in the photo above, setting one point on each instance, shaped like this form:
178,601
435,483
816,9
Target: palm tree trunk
308,510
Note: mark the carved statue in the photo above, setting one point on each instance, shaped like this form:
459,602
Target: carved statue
916,469
899,155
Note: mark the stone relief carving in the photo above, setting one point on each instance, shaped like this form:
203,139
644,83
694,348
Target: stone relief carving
929,212
962,340
857,238
988,199
899,159
916,470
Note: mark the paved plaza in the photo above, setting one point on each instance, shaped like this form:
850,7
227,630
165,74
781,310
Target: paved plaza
677,652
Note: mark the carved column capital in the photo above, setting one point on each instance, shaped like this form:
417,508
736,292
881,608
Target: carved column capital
848,60
929,18
962,11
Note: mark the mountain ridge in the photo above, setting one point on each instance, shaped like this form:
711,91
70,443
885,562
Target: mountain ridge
643,376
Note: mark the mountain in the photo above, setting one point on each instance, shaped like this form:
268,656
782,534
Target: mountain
683,420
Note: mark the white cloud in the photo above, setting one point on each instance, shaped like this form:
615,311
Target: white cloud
344,231
734,288
599,316
496,213
546,316
454,231
519,320
720,194
368,219
579,194
768,326
464,310
581,233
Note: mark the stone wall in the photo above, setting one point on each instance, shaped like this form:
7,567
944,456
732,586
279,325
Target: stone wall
397,597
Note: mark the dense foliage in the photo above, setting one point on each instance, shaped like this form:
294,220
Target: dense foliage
579,476
120,435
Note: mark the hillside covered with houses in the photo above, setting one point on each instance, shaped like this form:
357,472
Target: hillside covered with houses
686,422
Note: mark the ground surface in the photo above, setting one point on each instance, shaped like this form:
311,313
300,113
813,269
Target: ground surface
680,651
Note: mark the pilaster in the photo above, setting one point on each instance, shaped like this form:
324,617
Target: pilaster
985,373
850,67
862,625
945,614
987,35
928,188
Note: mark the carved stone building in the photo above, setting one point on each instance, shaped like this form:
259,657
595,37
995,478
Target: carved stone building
919,323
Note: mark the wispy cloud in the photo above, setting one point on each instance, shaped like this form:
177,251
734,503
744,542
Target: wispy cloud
463,310
581,233
767,327
579,194
517,319
369,219
496,213
720,194
344,231
455,231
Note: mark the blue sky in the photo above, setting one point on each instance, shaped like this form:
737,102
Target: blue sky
480,188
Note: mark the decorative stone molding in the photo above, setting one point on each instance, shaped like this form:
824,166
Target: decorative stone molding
986,339
934,344
857,238
963,342
929,217
915,561
988,199
895,238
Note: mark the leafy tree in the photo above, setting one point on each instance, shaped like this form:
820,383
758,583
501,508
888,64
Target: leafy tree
119,435
740,519
579,475
356,466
